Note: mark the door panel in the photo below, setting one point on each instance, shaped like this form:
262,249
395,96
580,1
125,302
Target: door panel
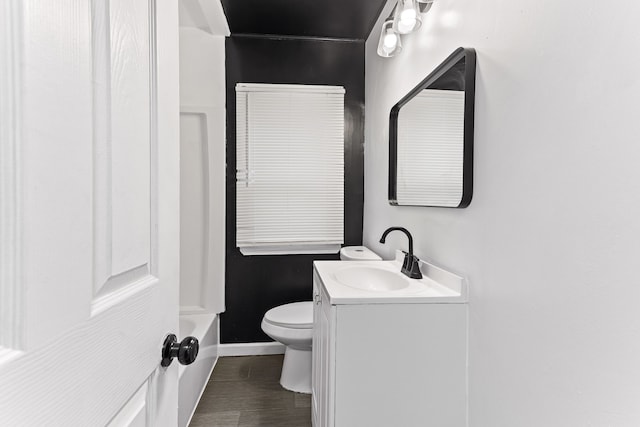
52,47
123,143
130,135
134,412
90,266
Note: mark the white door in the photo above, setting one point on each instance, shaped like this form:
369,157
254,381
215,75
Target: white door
89,211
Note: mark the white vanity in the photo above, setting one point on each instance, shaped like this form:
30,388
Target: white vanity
388,350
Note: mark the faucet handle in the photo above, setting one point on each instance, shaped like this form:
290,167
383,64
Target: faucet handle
406,263
411,267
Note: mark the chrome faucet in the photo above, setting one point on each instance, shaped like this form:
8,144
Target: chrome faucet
411,264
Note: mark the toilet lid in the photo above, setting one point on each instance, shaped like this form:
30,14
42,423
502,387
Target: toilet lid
297,315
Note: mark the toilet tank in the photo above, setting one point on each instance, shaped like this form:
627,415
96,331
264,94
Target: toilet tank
358,253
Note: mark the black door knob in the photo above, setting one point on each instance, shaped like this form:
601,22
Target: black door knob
186,350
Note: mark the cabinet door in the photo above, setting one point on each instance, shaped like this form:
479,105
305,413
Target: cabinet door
316,351
322,384
324,364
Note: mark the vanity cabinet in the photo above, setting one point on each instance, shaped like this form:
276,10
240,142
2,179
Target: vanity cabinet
321,381
388,364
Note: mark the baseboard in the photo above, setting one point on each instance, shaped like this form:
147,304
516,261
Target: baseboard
250,349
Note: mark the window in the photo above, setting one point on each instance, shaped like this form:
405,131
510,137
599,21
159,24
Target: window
290,169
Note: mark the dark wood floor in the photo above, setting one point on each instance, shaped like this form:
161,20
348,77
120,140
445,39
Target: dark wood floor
246,392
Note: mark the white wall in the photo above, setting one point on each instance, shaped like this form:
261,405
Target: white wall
202,175
551,240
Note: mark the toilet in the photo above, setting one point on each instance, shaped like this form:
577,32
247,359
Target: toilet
292,325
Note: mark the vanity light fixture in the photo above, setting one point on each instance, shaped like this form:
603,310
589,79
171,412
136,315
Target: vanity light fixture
390,43
404,19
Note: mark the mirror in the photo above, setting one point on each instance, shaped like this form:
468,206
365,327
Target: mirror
431,137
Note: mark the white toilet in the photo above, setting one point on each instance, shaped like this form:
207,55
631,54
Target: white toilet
292,325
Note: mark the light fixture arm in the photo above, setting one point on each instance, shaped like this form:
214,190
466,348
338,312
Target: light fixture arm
425,7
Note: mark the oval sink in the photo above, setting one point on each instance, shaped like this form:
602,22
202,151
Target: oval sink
371,278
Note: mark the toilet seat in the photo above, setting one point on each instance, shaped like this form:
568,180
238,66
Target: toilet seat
297,315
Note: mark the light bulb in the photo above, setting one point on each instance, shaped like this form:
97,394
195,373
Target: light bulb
406,26
389,43
407,17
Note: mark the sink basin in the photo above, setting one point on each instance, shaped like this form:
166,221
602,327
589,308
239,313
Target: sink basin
371,278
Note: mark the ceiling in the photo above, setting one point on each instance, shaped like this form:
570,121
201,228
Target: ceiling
341,19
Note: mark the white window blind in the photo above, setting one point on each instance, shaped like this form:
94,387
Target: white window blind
431,149
290,169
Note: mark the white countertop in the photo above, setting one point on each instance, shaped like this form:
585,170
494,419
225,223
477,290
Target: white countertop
436,287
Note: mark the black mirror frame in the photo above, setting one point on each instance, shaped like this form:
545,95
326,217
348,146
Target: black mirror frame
469,55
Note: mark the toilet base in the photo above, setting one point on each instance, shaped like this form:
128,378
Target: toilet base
296,370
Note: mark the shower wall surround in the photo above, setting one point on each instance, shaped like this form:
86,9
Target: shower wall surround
256,283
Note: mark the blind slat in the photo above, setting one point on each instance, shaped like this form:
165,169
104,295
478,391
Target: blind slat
430,149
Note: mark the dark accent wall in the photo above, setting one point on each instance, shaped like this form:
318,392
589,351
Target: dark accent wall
255,284
341,19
